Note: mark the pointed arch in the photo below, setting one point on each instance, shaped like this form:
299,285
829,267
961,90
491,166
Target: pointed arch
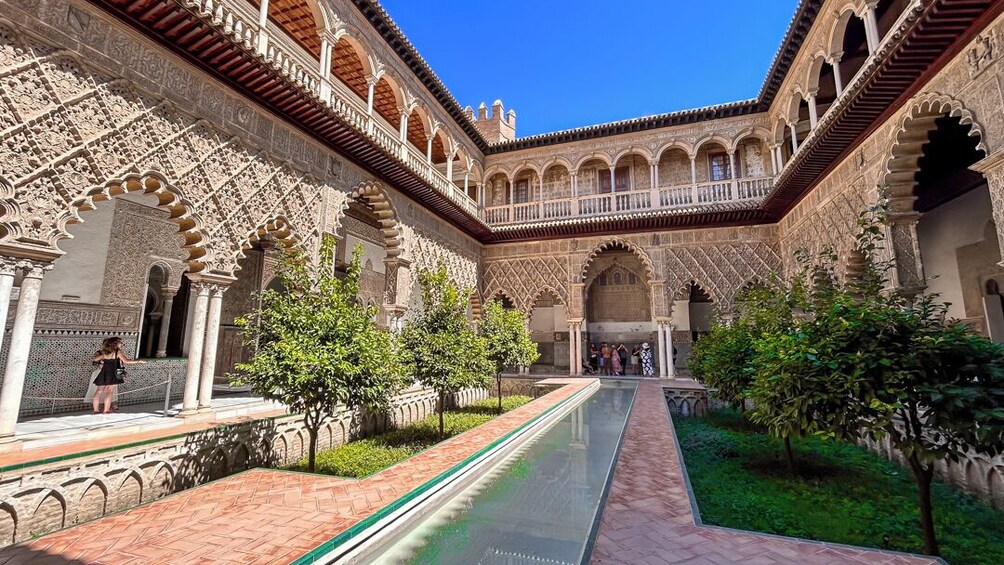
614,244
683,292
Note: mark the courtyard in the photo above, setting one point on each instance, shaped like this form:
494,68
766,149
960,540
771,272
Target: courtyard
272,294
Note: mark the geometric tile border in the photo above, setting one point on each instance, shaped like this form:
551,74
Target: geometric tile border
262,515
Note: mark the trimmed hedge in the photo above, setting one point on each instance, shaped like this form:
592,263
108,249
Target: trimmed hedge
840,492
364,457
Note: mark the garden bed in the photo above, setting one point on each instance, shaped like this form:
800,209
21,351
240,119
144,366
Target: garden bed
838,492
364,457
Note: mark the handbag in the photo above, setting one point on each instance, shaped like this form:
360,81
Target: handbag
120,374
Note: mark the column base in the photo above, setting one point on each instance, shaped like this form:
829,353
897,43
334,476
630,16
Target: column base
11,444
196,414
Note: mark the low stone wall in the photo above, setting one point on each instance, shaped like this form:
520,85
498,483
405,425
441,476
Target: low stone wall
44,498
977,474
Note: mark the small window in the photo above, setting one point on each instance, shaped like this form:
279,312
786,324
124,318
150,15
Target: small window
603,180
522,191
603,279
718,165
632,279
622,176
617,278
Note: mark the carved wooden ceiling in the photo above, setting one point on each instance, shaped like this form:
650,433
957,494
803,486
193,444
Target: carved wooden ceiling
348,67
386,104
416,132
297,20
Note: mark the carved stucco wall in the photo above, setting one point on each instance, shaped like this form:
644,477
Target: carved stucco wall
721,260
968,87
71,129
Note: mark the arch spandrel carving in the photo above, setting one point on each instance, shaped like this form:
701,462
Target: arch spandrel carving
78,137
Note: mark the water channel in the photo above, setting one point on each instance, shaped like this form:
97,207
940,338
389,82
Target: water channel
537,506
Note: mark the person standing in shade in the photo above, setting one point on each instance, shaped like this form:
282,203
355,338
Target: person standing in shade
636,360
646,360
615,361
604,358
111,359
593,358
622,352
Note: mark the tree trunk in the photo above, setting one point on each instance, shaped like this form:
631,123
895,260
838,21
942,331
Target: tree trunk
924,476
312,443
498,379
442,402
789,454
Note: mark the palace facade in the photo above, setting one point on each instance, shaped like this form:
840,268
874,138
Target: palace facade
154,155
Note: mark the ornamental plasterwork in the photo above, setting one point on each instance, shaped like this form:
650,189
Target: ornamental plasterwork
427,252
523,278
720,270
71,136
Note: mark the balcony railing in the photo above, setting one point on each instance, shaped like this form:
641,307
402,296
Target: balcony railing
751,190
239,20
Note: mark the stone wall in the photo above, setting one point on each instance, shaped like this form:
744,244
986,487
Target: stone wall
44,498
976,474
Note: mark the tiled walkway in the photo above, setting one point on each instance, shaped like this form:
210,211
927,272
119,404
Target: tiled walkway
260,516
648,518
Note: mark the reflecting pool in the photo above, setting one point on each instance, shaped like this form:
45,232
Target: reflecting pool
536,506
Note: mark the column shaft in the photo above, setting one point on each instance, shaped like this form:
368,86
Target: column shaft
571,348
208,371
6,285
661,343
165,325
20,348
671,359
190,401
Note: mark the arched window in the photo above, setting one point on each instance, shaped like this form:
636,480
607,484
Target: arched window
618,278
603,279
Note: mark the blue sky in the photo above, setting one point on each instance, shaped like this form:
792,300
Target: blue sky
563,63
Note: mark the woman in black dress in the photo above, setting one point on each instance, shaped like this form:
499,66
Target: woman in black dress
111,359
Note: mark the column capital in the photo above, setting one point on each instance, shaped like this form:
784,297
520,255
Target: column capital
33,268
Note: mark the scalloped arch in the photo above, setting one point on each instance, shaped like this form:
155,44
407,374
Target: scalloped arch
181,210
911,135
374,195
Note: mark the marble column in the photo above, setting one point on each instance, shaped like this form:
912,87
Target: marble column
190,401
813,114
773,159
835,65
871,27
670,358
572,361
20,344
165,322
8,267
661,343
578,348
208,371
794,139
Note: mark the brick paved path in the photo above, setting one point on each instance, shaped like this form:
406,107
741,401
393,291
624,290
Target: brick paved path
648,518
260,516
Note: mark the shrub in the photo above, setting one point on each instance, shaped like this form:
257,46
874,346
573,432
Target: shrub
367,456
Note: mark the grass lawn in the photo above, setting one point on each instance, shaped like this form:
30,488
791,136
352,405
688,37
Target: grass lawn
839,493
366,456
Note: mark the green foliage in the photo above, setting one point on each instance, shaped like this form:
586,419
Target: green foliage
840,493
508,340
316,346
367,456
856,360
442,349
507,337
